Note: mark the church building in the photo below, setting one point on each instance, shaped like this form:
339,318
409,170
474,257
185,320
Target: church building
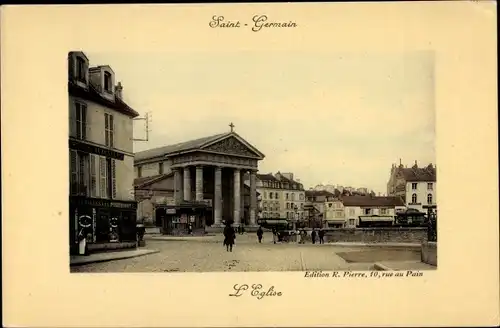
199,182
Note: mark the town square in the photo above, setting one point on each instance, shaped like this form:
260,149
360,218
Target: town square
220,201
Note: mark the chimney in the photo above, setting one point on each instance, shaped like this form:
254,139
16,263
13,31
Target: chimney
118,90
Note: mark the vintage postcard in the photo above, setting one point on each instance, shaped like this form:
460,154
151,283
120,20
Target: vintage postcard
260,158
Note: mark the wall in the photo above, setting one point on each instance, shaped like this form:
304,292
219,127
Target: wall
123,133
377,235
421,192
153,168
123,126
429,253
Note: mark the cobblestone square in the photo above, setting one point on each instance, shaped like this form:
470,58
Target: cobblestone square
209,255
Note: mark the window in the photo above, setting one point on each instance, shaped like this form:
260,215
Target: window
351,222
286,196
93,175
429,186
287,206
80,70
329,204
270,195
80,177
367,211
293,197
81,120
383,211
160,168
109,130
301,196
103,177
414,198
429,199
414,186
276,194
139,171
107,81
351,211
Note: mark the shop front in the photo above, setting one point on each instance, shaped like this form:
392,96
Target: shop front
105,224
188,216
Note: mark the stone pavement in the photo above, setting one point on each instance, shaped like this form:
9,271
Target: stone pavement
109,256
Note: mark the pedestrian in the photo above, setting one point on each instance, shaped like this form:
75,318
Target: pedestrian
297,233
274,235
259,234
190,229
313,236
321,235
229,236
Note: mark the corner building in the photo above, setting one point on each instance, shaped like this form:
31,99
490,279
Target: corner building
101,199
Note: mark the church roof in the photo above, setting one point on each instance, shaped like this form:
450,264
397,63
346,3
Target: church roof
205,143
182,146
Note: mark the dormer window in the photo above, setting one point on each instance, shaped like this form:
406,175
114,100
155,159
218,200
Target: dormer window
107,82
80,70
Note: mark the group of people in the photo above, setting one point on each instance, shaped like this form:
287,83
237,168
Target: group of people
230,236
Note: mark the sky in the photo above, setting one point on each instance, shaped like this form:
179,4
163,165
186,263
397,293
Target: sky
330,118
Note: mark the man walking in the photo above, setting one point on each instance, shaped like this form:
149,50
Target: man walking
260,233
321,235
313,236
229,236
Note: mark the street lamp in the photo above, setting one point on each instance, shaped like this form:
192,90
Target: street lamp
295,218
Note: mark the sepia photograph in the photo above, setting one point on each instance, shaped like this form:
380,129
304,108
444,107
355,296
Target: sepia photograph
236,165
252,161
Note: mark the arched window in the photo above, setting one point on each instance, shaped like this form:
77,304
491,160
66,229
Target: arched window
414,198
429,199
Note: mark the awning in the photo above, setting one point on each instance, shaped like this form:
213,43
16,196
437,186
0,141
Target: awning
336,220
376,218
271,221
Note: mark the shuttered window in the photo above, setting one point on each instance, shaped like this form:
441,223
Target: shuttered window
93,175
109,130
73,168
103,183
113,179
81,120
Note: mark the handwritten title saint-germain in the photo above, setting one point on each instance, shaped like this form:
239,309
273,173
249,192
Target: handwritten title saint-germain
259,22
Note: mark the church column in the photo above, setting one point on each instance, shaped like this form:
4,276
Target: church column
177,185
242,197
218,197
199,183
253,197
236,197
187,183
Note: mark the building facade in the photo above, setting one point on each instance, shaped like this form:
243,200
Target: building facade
319,208
101,196
205,174
281,196
415,185
362,211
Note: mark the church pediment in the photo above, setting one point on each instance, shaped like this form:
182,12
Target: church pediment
233,146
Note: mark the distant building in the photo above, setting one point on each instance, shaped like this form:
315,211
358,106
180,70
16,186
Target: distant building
281,196
321,208
371,210
415,185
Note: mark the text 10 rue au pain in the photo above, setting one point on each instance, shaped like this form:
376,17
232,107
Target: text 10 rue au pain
363,274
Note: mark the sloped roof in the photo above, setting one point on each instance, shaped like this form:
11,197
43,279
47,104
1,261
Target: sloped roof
372,201
291,181
316,193
266,177
187,146
418,174
146,181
